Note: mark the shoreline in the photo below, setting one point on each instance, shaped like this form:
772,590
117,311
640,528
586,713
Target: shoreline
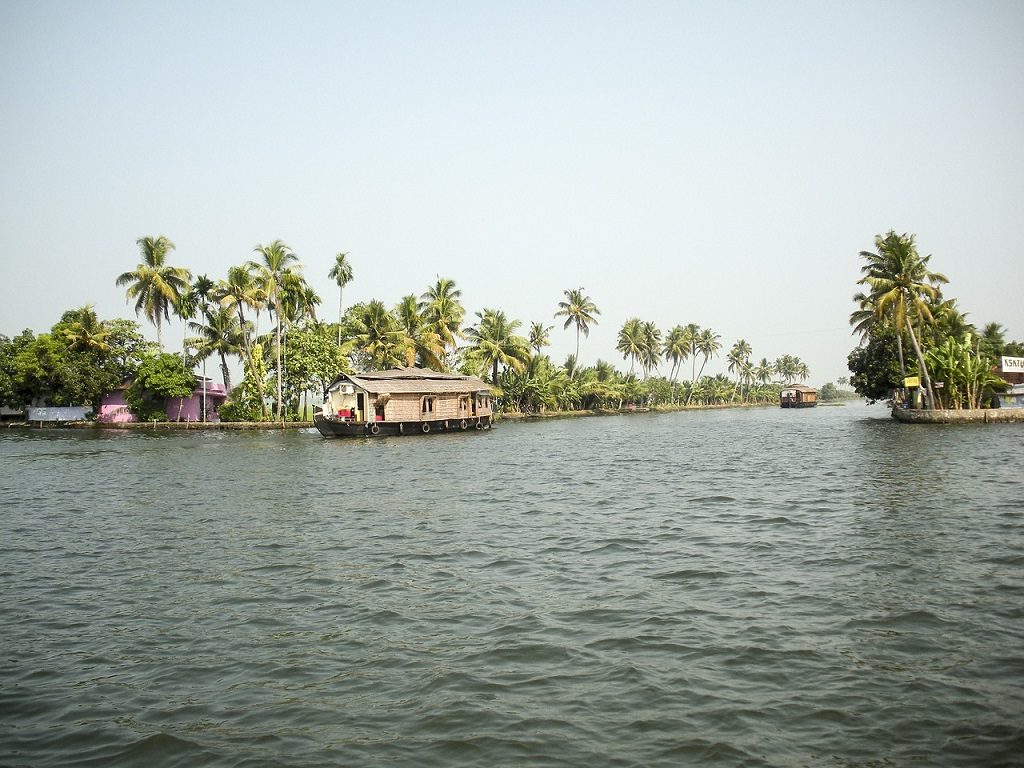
963,416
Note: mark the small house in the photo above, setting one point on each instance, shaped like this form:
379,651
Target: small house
798,396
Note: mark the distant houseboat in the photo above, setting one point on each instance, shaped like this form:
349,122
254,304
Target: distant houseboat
798,396
403,401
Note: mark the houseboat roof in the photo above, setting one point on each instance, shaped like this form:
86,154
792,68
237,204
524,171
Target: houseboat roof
799,388
413,380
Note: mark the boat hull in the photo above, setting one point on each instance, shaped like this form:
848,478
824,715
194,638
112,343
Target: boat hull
797,405
338,428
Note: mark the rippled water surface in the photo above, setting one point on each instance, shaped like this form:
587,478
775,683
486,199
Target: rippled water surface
722,588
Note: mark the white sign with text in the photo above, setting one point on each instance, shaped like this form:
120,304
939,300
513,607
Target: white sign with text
1013,365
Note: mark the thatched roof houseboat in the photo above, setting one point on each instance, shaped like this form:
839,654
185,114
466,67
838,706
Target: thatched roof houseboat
403,401
798,396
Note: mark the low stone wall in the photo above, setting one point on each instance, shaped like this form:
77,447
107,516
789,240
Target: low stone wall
979,416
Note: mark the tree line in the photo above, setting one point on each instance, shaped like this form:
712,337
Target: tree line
908,328
301,353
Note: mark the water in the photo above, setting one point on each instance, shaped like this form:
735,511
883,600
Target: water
725,588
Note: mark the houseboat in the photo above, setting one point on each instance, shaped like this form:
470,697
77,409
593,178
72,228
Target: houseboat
798,396
403,401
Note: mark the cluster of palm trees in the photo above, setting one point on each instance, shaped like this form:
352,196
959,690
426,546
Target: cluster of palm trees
430,329
273,282
903,296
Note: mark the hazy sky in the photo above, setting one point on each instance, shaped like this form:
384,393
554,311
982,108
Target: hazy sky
721,163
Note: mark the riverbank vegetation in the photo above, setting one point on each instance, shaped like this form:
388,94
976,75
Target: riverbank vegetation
82,357
908,327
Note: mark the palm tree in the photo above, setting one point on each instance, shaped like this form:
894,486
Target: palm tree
691,338
580,310
901,286
153,284
494,342
86,332
222,334
278,260
185,306
444,314
379,336
540,336
341,273
631,341
651,347
707,344
676,350
239,291
739,357
421,343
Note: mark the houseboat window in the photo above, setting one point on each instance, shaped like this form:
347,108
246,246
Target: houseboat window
428,404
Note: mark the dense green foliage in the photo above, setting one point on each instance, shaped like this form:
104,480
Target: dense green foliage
904,308
159,377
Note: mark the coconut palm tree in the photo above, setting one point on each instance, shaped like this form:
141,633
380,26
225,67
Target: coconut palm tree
277,261
631,341
580,310
379,336
153,284
221,333
739,357
691,339
341,273
444,314
540,336
676,350
651,347
707,344
493,341
421,343
239,291
85,332
901,286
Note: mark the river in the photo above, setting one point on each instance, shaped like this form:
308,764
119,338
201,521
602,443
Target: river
747,587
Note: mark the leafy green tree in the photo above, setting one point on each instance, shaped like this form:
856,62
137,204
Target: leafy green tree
239,292
966,374
341,273
83,331
379,341
247,401
153,284
875,366
158,378
579,310
421,342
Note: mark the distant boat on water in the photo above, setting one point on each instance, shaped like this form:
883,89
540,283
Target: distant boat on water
798,396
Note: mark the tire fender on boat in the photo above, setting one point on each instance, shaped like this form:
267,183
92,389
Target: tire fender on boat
462,424
426,428
375,430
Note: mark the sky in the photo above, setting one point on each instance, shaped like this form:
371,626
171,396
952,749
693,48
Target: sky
718,163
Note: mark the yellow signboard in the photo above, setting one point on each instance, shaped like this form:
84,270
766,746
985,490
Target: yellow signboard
912,381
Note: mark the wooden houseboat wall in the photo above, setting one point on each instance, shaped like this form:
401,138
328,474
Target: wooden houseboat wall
798,396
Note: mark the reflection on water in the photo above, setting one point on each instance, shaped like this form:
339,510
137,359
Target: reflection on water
736,587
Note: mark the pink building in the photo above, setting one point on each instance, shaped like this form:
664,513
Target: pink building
114,409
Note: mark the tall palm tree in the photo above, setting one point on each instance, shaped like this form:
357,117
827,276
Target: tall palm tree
493,341
540,336
901,286
707,344
277,261
341,273
154,284
631,341
691,338
239,291
379,336
421,343
580,310
651,354
739,357
185,307
444,313
221,333
676,350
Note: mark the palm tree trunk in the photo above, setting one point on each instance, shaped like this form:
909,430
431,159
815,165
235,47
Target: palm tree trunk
277,311
339,315
926,380
224,370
